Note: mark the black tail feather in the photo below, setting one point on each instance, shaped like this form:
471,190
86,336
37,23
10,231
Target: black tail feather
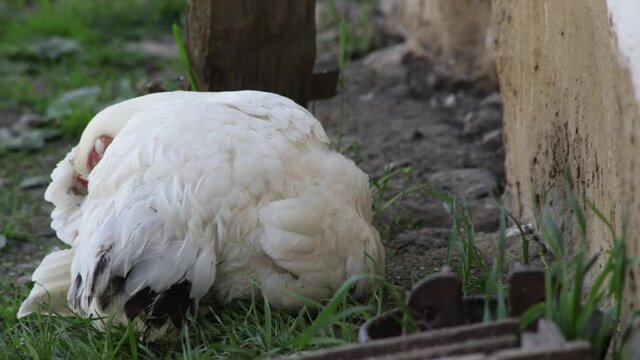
171,304
139,302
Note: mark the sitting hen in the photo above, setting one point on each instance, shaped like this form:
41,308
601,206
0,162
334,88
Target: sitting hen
172,199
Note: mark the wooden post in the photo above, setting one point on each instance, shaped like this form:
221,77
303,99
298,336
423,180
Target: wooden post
266,45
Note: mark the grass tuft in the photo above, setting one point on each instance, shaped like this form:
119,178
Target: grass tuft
357,38
244,329
471,268
384,200
570,302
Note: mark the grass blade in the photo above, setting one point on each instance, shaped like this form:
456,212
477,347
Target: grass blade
184,57
573,203
525,241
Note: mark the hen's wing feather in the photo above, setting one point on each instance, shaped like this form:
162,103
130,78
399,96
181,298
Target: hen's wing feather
67,197
51,280
323,235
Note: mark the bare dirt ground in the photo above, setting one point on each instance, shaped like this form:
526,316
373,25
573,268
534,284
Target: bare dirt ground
450,137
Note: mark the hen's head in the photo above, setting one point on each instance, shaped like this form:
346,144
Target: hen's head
98,135
104,127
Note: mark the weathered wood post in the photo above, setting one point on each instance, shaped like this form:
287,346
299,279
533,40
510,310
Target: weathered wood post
264,45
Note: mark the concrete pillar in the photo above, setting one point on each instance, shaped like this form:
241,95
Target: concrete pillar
567,72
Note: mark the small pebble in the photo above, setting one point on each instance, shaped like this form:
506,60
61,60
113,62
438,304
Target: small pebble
34,182
468,117
368,96
493,99
450,101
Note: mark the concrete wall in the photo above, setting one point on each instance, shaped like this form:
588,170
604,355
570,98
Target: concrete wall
567,71
569,74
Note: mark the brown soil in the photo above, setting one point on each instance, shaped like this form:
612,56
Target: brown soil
449,134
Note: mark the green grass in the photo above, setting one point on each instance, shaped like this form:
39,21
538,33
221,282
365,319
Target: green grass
247,329
571,299
494,285
575,288
184,57
384,199
32,78
355,38
461,246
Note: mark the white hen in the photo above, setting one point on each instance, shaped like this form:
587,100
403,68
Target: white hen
173,197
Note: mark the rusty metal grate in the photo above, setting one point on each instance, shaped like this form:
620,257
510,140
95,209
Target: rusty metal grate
450,327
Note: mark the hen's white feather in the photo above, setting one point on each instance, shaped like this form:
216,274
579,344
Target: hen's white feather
51,280
203,193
